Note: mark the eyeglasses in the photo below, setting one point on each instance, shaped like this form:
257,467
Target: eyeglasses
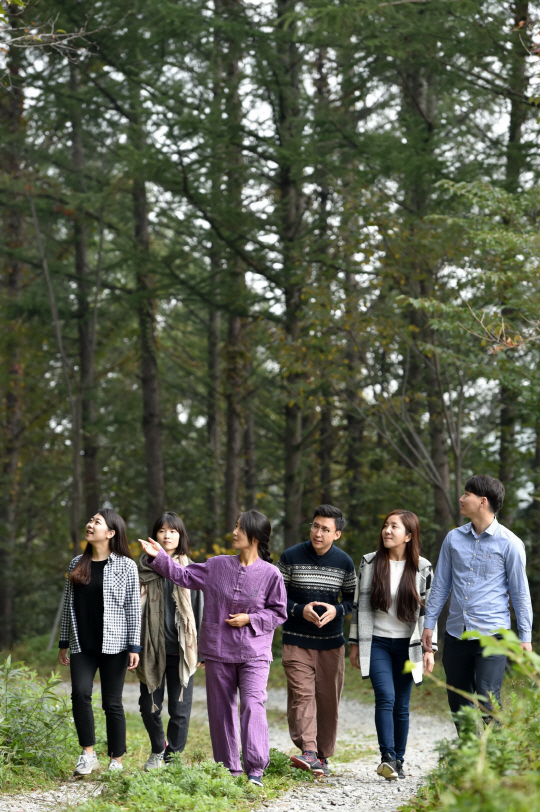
324,530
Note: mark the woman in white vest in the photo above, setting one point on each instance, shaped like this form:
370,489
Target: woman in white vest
386,629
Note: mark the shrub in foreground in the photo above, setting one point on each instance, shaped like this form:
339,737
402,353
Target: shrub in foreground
36,728
494,768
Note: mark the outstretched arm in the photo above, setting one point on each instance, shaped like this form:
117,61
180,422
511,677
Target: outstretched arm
191,577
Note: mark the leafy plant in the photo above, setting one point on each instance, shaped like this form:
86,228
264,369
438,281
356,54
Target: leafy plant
36,728
496,767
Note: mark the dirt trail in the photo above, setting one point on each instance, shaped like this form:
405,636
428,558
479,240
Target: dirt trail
353,787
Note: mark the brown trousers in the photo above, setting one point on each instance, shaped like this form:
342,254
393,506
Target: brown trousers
314,686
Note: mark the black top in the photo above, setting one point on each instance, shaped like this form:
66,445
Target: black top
172,645
311,577
88,603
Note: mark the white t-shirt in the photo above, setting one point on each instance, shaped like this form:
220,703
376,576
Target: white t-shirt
387,624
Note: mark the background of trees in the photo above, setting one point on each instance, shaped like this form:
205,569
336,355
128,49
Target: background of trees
263,253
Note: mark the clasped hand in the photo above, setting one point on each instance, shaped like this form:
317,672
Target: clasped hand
238,620
319,620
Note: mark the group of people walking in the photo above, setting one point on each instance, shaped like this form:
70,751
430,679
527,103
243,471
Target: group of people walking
168,616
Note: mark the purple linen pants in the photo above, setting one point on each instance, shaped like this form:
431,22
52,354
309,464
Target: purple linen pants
223,680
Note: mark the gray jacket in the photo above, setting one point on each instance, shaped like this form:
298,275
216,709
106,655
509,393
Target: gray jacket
362,615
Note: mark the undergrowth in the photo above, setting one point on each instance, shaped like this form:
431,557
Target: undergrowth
492,768
198,784
36,729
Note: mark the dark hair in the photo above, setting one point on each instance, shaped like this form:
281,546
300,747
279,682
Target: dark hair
118,544
407,598
487,486
174,522
331,512
257,527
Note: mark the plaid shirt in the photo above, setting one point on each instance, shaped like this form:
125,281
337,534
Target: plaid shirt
122,608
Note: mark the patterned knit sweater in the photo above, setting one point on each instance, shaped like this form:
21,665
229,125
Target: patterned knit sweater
311,577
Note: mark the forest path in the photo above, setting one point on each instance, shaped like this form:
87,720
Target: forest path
353,787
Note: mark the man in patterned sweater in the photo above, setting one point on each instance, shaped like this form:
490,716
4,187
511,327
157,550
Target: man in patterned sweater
316,573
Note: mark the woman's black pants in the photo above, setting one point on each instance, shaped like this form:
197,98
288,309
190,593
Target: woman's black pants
112,672
179,711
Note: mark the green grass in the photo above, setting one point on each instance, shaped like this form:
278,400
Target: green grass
193,782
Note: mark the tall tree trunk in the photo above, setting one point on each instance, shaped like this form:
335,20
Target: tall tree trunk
515,163
146,306
235,293
250,466
214,430
326,447
12,128
355,421
234,388
290,207
419,112
85,316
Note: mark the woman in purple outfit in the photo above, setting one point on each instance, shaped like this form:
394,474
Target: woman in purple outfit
244,601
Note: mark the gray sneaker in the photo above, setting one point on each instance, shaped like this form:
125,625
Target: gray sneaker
86,763
324,766
387,767
115,766
154,761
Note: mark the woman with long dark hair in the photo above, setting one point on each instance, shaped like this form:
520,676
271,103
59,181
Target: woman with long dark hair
101,625
244,601
386,630
171,618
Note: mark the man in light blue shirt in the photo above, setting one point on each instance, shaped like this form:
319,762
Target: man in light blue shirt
481,564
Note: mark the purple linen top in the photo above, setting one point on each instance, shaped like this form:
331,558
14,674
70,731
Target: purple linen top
230,588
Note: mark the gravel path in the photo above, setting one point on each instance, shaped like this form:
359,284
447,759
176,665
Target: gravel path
353,787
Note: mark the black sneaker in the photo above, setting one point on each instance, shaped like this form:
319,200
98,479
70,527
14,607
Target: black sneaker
399,768
256,780
324,766
387,767
308,761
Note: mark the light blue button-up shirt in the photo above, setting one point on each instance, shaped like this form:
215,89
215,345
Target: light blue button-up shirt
481,571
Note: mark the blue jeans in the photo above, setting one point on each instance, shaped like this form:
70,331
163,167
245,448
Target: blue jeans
392,693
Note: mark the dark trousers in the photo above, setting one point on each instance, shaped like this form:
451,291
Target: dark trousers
112,672
179,712
468,670
392,693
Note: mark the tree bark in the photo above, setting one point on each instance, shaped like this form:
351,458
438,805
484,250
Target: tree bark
515,163
250,466
354,420
326,447
146,307
235,293
290,212
419,113
86,322
214,430
234,396
12,128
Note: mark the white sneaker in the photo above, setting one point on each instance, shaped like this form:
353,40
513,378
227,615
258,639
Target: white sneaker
86,763
154,761
115,765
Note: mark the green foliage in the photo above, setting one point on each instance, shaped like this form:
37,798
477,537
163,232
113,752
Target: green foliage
36,728
200,785
492,768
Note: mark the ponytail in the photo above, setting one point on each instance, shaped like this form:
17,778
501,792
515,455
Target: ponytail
257,527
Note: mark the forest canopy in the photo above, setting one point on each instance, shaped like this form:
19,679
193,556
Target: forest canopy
263,253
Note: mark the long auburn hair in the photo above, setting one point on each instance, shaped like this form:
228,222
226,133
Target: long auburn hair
118,544
407,598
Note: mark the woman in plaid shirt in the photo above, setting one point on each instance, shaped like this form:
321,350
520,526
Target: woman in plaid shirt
101,627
